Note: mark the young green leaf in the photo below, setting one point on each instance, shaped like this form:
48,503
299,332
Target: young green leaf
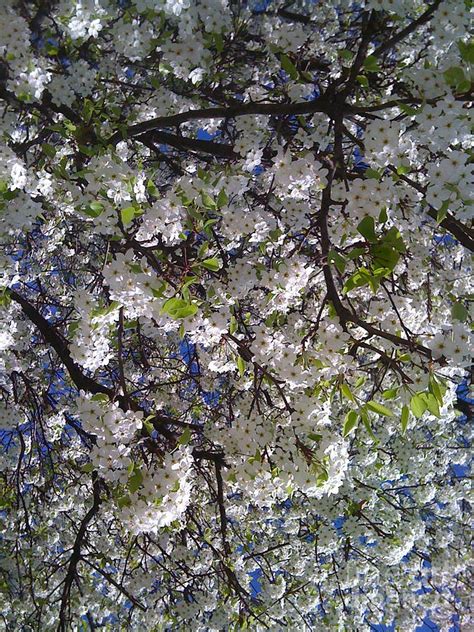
179,308
185,437
404,418
431,404
288,66
367,228
418,406
380,409
346,392
350,423
127,214
459,312
135,480
371,64
241,365
212,264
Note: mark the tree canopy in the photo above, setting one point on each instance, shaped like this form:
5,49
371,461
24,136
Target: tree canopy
234,297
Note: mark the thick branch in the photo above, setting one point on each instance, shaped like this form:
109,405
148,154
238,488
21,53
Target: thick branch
271,109
51,336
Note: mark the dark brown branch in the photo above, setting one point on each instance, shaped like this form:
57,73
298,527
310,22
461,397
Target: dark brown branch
294,17
271,109
193,144
346,315
119,587
58,343
221,503
408,30
464,234
81,381
76,554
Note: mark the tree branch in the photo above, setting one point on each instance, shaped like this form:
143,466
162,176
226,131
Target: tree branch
271,109
51,336
183,143
76,554
408,30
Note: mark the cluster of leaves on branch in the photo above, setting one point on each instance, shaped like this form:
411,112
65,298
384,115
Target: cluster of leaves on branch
234,300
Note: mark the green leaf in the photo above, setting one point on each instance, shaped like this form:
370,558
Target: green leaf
335,259
435,388
390,393
219,42
345,54
158,291
379,408
222,199
135,480
350,423
288,66
87,151
404,418
241,365
385,256
208,202
454,75
367,228
209,223
51,49
5,300
178,308
466,50
407,109
459,312
371,64
127,214
363,81
148,425
373,174
394,238
403,170
88,467
151,188
431,403
346,391
360,278
366,421
463,86
355,252
185,437
188,281
48,150
212,264
124,501
418,406
322,477
94,209
442,212
100,397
